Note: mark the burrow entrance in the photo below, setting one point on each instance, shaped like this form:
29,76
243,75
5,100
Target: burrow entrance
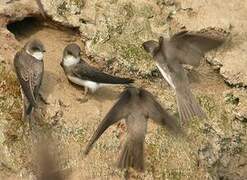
26,27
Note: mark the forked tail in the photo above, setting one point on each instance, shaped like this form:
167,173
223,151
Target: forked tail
132,155
188,107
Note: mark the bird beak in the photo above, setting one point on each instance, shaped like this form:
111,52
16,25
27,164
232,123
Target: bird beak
44,50
61,64
150,46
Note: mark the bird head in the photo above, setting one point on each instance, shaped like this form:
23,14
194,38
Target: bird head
151,47
35,48
71,55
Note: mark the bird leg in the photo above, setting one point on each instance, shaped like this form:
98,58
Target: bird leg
85,91
84,99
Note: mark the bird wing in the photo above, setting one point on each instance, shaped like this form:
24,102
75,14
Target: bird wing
118,111
37,76
156,112
188,106
190,47
28,77
86,72
132,154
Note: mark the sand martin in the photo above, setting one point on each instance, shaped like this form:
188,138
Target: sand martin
80,73
136,106
29,67
171,54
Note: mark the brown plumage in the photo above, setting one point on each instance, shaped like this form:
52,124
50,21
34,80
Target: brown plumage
183,48
30,71
136,106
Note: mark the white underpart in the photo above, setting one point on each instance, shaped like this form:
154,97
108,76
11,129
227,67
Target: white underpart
70,60
93,86
166,76
37,55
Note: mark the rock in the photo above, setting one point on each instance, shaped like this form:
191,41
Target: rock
231,59
241,110
224,156
237,103
116,35
17,10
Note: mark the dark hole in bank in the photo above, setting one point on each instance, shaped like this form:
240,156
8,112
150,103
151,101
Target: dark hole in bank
30,25
26,27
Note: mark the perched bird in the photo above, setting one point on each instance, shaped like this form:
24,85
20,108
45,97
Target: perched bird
183,48
29,67
136,106
80,73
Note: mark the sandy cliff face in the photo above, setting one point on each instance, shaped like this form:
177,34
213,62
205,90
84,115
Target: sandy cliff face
111,33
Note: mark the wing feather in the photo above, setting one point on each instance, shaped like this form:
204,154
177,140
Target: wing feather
118,111
190,47
157,113
84,71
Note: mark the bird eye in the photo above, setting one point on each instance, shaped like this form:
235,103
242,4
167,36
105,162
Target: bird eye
69,53
35,49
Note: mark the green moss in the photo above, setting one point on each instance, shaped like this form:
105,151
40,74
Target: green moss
78,3
231,99
127,10
208,103
10,101
146,11
62,8
133,57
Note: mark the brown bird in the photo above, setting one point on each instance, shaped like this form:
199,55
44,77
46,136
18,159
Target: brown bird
170,55
136,106
29,67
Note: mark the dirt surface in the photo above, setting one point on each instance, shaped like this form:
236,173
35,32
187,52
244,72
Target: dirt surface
212,149
72,117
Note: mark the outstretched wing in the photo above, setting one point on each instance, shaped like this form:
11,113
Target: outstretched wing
84,71
157,113
118,111
190,47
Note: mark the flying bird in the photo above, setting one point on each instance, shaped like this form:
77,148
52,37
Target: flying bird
183,48
136,106
29,67
81,73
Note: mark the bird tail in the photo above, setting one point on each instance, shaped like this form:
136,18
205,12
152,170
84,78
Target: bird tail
188,107
132,155
29,109
119,80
